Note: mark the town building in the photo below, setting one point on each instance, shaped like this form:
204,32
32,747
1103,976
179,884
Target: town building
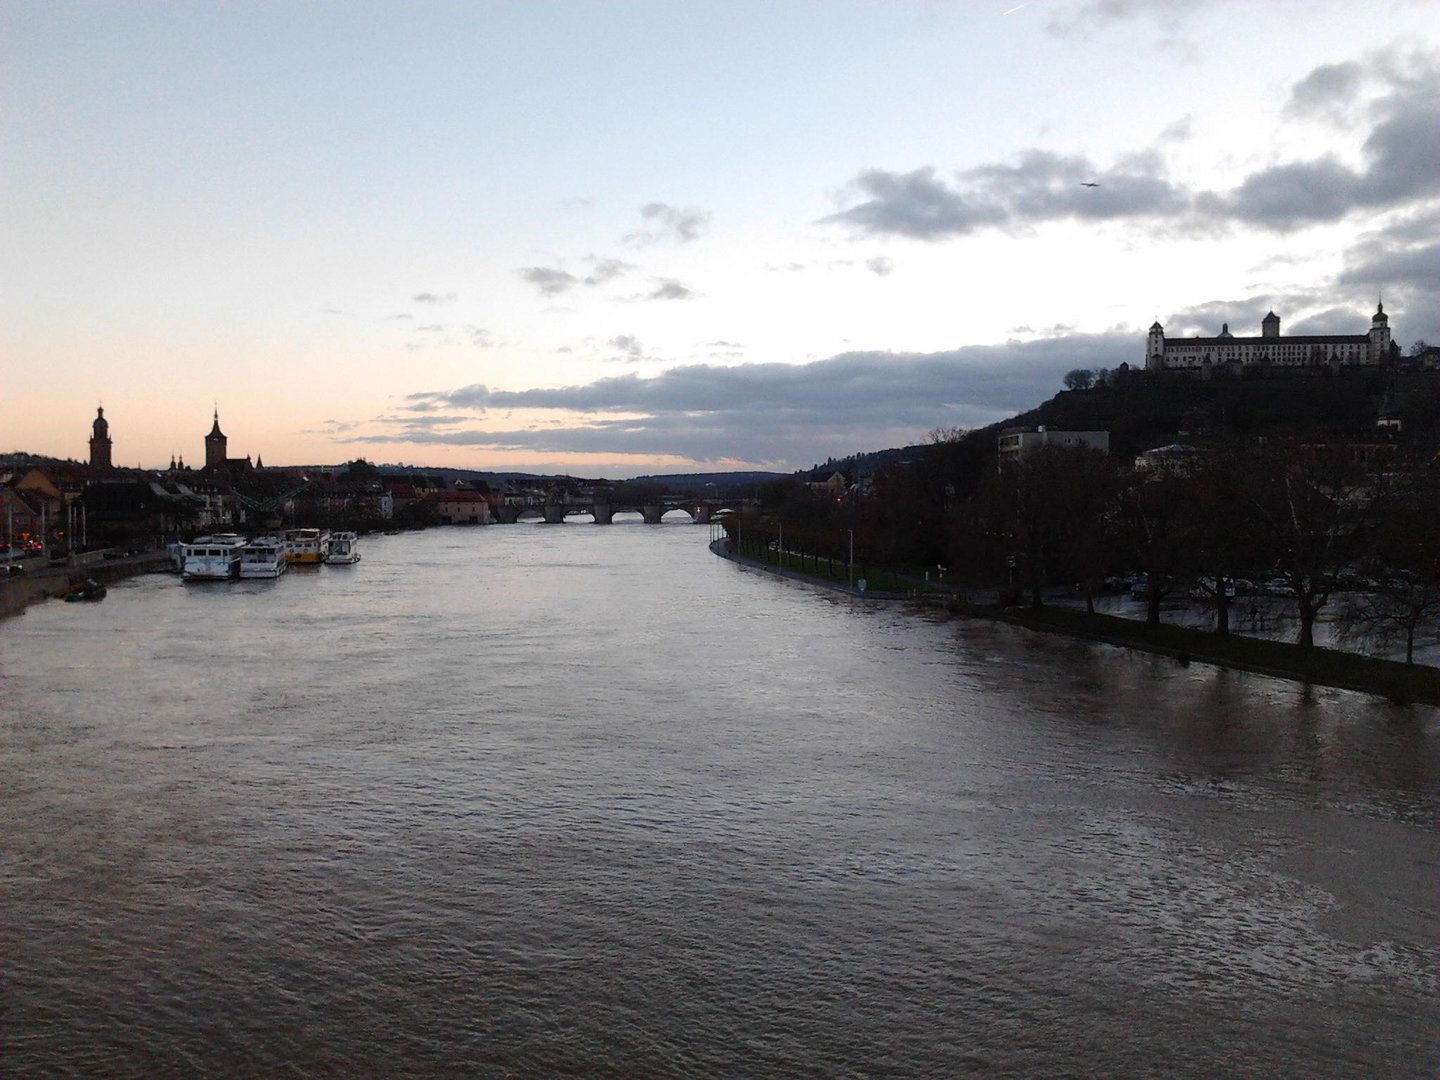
1016,442
1227,354
459,507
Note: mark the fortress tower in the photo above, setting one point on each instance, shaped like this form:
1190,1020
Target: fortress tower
1379,334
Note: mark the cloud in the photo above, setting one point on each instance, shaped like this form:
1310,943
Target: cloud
1287,196
330,429
433,298
1400,167
550,281
1204,320
480,337
1178,131
1040,186
783,414
1401,262
1335,320
629,347
665,222
880,266
603,270
1327,91
916,205
1098,15
670,289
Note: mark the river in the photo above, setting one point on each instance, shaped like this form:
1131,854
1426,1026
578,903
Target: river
589,801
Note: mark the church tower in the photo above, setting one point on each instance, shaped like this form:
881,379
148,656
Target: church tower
215,444
100,441
1379,335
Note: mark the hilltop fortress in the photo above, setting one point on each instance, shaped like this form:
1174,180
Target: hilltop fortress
1226,354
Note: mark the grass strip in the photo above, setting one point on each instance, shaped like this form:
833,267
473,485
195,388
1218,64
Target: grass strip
1323,667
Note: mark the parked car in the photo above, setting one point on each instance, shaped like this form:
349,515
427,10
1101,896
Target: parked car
1278,586
12,568
1206,589
1139,586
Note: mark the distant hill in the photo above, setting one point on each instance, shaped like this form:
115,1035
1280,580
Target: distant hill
1142,410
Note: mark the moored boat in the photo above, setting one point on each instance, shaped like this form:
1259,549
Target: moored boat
344,548
212,558
89,589
306,547
263,557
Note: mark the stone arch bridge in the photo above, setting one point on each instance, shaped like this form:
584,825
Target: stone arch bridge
555,509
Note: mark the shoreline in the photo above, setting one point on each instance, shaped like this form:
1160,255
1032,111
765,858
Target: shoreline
1392,680
44,582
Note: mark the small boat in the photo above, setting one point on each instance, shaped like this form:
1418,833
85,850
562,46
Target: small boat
263,557
344,548
89,589
212,558
306,547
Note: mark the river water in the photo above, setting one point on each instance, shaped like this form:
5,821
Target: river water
589,801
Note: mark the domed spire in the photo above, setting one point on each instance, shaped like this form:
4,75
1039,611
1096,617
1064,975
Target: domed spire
215,428
100,440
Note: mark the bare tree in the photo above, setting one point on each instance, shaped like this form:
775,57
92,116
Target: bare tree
1405,594
1310,506
1080,379
1156,521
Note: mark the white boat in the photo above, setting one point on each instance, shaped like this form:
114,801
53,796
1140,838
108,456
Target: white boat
344,548
263,557
306,547
212,558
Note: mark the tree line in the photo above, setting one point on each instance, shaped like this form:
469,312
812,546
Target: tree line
1322,518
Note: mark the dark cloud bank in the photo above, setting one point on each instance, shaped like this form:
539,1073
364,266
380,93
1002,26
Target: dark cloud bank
782,415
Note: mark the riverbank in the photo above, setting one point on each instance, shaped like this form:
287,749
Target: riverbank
41,582
1398,682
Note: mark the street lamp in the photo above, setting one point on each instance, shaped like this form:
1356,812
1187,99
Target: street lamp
850,563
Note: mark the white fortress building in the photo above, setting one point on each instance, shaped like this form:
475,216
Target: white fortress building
1226,354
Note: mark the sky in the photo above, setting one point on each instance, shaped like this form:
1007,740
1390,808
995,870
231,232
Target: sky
621,238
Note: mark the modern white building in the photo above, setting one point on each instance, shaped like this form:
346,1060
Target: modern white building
1225,353
1016,442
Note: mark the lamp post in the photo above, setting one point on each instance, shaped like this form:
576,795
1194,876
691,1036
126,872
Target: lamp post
850,562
